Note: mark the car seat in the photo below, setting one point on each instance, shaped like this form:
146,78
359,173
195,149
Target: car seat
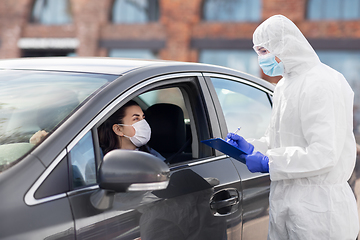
168,132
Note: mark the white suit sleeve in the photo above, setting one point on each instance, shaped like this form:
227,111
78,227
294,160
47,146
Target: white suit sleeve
323,124
262,144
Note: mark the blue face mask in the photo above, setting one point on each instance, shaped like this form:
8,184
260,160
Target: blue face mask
270,66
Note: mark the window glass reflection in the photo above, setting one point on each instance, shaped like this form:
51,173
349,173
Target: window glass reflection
232,10
333,9
135,11
51,12
351,9
242,60
347,63
82,159
243,106
34,103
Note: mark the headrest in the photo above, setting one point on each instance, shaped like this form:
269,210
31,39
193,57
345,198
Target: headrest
167,127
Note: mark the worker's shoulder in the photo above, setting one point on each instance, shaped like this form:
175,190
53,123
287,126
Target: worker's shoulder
321,82
324,76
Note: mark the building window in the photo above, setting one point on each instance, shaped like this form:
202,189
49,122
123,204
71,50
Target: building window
135,11
242,60
333,9
232,10
133,53
51,12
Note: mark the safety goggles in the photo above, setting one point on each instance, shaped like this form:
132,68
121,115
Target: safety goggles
261,51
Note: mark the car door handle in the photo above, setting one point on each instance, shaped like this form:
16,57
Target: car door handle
224,202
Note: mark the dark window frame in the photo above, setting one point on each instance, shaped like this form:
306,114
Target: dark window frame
335,44
49,52
132,44
204,43
152,45
246,44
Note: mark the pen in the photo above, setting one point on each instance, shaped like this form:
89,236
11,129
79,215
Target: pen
238,129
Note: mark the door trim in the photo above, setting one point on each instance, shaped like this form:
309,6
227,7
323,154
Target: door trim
238,79
29,198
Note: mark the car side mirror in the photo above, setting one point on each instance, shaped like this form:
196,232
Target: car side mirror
127,170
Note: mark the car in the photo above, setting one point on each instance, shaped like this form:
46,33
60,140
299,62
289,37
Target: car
63,187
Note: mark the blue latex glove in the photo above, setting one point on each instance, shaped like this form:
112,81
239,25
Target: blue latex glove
239,142
257,162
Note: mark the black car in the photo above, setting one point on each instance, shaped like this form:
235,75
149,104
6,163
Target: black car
62,187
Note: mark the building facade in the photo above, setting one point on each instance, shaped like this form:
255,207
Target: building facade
212,31
209,31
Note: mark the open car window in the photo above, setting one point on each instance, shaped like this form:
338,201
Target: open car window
177,120
170,123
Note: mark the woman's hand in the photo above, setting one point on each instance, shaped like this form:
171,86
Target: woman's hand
38,136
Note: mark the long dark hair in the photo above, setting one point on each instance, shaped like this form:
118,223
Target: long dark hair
107,137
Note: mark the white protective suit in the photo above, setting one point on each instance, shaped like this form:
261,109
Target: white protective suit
310,141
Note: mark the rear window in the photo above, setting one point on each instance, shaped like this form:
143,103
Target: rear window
34,103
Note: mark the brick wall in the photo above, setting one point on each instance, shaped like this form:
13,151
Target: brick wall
180,21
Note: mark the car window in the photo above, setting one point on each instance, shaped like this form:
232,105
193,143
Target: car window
82,159
171,95
34,103
170,123
170,114
243,106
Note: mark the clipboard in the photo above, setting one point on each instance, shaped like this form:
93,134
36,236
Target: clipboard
227,148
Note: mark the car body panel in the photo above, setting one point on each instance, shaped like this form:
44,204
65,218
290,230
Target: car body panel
192,207
159,203
255,186
20,221
127,218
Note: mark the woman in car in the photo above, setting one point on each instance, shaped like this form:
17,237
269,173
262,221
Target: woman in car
126,129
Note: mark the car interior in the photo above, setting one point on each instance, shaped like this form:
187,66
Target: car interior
176,131
170,135
170,125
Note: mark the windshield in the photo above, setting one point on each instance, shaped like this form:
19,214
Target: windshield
34,103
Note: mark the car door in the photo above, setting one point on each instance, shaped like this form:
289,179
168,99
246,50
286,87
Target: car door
246,104
34,172
203,198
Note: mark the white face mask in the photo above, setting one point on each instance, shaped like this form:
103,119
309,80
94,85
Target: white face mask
142,133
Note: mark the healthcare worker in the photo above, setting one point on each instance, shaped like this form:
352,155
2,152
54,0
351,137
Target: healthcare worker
309,148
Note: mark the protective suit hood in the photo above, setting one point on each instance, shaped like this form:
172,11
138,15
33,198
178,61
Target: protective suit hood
282,37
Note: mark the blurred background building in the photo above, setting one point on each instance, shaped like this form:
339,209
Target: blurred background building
209,31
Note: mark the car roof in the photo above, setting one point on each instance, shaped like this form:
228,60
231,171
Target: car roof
77,64
118,66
